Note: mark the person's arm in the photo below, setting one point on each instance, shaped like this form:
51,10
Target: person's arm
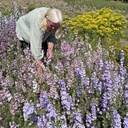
50,50
51,42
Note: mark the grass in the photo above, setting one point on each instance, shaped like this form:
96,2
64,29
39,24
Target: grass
99,4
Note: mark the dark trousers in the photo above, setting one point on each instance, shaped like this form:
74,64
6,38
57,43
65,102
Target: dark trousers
44,46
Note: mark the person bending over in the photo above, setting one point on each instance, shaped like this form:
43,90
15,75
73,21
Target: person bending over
40,28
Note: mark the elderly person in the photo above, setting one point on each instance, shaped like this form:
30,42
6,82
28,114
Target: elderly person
40,28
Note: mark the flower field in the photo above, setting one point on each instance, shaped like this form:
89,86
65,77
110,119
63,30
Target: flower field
82,87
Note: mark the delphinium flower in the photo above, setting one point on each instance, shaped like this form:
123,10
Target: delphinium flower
78,73
92,127
70,78
125,122
35,86
43,123
122,58
76,62
27,71
104,102
100,87
116,119
87,85
82,71
13,125
8,96
33,119
100,64
2,51
75,45
39,123
97,85
78,123
122,70
78,47
23,12
91,116
7,81
16,103
46,104
108,83
66,50
51,83
126,94
53,92
64,121
2,96
20,86
88,120
65,100
117,87
88,59
93,111
99,48
16,10
65,29
121,74
28,110
95,60
59,68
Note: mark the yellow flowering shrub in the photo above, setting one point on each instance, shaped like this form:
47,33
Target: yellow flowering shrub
104,23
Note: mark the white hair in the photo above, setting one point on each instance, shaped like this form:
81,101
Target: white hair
55,16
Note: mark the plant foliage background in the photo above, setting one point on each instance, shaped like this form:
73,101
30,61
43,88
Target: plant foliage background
85,86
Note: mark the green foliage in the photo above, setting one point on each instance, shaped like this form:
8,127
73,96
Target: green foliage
30,8
98,4
114,53
125,48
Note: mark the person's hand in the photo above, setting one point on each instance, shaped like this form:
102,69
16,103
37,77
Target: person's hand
38,66
39,70
50,50
50,56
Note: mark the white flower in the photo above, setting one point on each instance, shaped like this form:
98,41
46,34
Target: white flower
9,96
35,86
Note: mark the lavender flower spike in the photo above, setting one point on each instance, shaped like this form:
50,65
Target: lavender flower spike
116,119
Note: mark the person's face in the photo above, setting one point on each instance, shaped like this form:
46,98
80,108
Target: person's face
52,26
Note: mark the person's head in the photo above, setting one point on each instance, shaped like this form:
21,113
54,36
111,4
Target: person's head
53,20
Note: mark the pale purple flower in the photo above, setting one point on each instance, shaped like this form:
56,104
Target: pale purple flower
125,122
64,121
93,111
79,76
122,58
66,50
91,116
66,100
39,122
28,110
97,85
104,102
13,125
88,120
34,118
126,94
78,120
50,111
116,119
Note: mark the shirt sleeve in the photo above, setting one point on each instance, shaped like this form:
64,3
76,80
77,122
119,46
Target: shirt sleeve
52,39
36,36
